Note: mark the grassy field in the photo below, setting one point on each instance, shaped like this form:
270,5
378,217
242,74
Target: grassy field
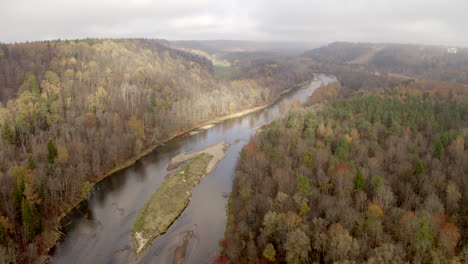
223,70
168,202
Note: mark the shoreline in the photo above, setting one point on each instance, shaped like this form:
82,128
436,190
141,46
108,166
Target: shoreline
58,220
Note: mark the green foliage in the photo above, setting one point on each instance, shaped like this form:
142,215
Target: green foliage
304,208
86,190
308,158
359,181
439,149
413,112
424,237
292,122
31,162
269,252
3,235
303,185
419,169
342,149
31,219
8,134
223,70
377,184
51,152
30,84
386,209
17,193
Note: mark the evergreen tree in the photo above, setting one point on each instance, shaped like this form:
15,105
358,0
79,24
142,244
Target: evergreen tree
303,185
359,181
17,193
51,152
439,149
3,235
419,169
31,219
7,134
31,162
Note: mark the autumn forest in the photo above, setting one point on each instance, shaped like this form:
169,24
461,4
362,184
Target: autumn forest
372,168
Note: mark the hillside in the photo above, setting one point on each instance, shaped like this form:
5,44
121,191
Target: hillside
418,61
379,177
72,111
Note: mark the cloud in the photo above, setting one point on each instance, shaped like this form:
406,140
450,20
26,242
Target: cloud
407,21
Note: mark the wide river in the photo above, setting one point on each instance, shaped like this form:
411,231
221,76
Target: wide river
99,230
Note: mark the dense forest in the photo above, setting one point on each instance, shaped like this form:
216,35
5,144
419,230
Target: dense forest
376,177
416,61
71,111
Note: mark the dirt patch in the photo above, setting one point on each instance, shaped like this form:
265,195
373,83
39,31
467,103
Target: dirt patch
207,126
217,151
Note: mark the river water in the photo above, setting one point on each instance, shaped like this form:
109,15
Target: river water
99,230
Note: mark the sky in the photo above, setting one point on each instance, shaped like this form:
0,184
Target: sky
320,21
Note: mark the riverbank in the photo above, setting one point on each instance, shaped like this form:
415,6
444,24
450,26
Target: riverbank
170,200
53,236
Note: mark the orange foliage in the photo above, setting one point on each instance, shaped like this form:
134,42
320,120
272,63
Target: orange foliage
221,260
325,93
251,148
344,169
448,237
292,220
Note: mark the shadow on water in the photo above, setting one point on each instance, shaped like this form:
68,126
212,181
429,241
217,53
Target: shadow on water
98,231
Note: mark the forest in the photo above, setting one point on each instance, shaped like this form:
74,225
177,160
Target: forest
373,176
71,111
416,61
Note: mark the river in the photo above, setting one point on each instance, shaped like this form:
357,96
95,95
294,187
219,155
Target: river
99,230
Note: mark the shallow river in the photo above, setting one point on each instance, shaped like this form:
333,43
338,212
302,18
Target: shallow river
99,231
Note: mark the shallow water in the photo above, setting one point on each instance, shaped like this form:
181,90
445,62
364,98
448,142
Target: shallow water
99,231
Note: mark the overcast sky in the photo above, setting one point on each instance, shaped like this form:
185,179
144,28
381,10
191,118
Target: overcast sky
405,21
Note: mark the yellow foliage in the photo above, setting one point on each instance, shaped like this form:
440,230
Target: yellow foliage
6,223
72,61
138,126
63,156
4,115
324,131
51,85
70,73
374,209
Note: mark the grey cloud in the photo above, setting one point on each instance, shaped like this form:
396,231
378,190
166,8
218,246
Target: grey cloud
407,21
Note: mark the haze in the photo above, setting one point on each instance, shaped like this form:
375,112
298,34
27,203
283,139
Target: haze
417,21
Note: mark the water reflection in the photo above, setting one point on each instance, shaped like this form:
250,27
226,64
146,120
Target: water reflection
99,231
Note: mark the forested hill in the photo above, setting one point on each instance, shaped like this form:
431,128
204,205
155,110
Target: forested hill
71,111
380,177
417,61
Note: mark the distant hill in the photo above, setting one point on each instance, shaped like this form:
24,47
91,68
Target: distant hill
419,61
223,46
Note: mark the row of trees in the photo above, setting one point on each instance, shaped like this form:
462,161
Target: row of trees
370,179
74,110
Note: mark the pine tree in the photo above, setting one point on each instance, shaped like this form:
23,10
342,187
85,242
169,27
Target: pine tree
359,181
51,152
419,169
7,134
303,185
31,219
439,149
27,218
31,163
3,235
